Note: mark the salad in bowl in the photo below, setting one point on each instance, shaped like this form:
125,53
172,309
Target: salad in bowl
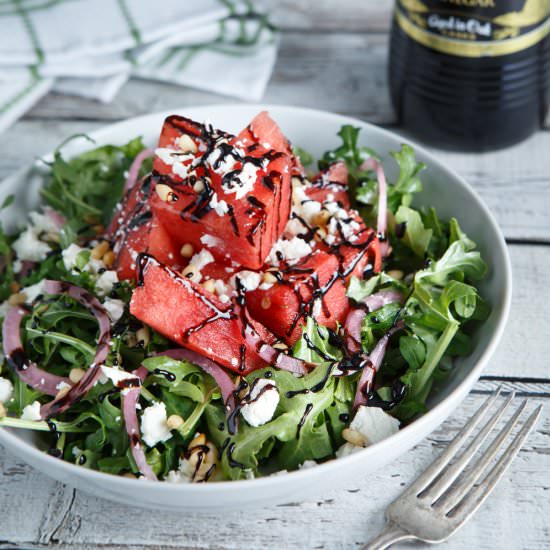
222,307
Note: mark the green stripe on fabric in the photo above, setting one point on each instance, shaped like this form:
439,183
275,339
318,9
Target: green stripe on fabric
130,21
7,8
19,95
29,27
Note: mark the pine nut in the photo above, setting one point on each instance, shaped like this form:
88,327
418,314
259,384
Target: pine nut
100,250
209,286
269,278
76,375
354,437
174,421
186,144
265,303
198,440
164,192
143,336
187,250
14,287
199,186
17,299
396,274
109,259
321,218
192,273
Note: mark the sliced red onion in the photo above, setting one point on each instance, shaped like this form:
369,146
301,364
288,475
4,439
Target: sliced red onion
352,328
130,397
29,372
80,389
273,356
372,363
382,298
375,166
133,172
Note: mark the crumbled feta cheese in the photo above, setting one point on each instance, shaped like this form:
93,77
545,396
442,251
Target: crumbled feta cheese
116,376
202,258
308,464
43,223
228,161
289,249
105,282
242,183
220,207
184,473
6,390
17,266
114,309
31,412
373,424
249,279
153,424
62,386
76,451
29,247
33,291
222,290
176,160
260,404
186,144
211,241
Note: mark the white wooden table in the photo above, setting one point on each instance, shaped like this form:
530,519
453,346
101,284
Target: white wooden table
333,56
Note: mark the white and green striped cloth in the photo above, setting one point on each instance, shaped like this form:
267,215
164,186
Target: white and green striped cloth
91,47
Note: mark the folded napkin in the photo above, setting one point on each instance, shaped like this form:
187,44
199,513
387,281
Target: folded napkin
91,48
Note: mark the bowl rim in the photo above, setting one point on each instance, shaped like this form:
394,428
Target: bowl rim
11,441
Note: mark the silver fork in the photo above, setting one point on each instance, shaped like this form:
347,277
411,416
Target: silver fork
447,494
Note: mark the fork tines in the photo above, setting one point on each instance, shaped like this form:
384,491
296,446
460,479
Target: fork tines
454,491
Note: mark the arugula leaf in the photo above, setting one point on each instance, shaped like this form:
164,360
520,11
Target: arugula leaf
416,236
314,345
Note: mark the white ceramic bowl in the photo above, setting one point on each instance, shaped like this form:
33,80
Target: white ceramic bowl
316,132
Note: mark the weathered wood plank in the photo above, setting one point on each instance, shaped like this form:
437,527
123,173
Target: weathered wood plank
514,183
513,516
327,15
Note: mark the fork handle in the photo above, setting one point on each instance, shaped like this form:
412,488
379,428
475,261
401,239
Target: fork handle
391,534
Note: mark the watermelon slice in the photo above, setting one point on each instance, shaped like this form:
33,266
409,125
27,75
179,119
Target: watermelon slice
135,229
332,185
229,196
315,286
187,314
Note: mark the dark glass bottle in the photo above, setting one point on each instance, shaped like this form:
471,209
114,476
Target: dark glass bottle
470,75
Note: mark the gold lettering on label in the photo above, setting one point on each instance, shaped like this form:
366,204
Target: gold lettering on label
472,3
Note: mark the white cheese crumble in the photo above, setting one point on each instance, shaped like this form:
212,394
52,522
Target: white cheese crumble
105,282
249,279
114,309
31,412
260,404
308,464
184,473
289,250
6,390
243,182
43,223
228,161
373,424
153,424
29,247
176,160
202,258
33,291
219,206
116,376
211,241
63,386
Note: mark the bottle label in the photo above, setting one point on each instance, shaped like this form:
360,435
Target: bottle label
475,28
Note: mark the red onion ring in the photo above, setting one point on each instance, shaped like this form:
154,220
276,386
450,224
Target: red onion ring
382,298
375,166
133,172
130,397
372,364
29,372
80,389
352,328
